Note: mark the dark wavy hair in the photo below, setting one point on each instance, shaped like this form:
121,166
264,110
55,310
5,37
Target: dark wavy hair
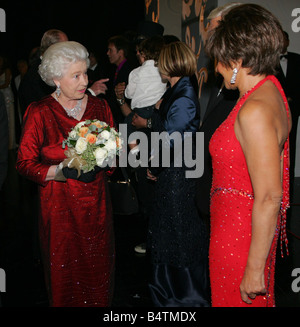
151,47
251,33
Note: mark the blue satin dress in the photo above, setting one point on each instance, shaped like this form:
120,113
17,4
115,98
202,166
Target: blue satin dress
178,237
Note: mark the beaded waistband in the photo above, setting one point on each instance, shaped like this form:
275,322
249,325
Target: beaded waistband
232,191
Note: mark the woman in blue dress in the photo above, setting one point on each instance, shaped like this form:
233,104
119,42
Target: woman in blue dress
178,239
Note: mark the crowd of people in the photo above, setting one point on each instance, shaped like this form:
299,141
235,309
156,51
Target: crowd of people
211,240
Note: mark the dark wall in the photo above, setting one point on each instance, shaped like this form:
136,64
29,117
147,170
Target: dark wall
89,22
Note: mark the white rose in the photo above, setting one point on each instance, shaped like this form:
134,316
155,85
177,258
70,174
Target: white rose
105,134
100,155
73,134
81,145
111,146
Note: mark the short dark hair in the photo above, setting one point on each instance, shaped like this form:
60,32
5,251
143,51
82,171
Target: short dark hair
151,47
251,33
121,43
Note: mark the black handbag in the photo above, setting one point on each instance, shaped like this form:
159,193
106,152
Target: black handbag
123,196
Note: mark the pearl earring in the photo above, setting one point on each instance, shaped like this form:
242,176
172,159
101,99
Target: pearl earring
234,74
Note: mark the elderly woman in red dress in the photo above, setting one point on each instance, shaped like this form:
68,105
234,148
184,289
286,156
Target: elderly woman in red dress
76,230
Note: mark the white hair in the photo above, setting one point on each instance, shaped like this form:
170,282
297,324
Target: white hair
222,10
58,57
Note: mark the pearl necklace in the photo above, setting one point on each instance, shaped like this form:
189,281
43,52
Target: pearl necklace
73,112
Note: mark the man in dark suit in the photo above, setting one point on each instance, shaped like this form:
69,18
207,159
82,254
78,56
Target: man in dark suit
219,106
32,87
94,72
220,103
118,55
289,77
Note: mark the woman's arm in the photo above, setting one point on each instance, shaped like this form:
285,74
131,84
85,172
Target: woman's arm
124,106
28,161
181,117
256,131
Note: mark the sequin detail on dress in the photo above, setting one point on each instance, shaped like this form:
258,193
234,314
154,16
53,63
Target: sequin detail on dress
231,213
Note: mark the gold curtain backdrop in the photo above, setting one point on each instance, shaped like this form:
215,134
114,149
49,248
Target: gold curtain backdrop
194,32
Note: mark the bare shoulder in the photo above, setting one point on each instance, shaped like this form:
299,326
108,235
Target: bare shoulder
263,111
255,113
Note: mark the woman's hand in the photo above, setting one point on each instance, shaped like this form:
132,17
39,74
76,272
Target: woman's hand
253,284
150,176
71,173
139,122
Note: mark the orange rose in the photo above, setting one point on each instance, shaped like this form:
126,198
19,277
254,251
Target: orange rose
83,130
97,124
117,141
91,138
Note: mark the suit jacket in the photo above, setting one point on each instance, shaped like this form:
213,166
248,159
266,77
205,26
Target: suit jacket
32,87
291,86
291,82
94,75
218,108
110,94
178,112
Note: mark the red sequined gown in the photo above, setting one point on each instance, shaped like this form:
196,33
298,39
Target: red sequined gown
231,208
76,229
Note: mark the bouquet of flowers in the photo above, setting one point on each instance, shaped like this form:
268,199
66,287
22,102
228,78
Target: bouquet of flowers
91,143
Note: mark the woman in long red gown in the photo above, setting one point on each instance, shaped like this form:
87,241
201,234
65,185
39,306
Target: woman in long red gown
249,194
76,229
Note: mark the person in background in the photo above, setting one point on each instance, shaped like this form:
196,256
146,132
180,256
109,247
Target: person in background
76,228
6,90
178,238
146,29
32,87
118,51
148,44
22,66
3,140
289,77
250,160
95,72
220,103
145,86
